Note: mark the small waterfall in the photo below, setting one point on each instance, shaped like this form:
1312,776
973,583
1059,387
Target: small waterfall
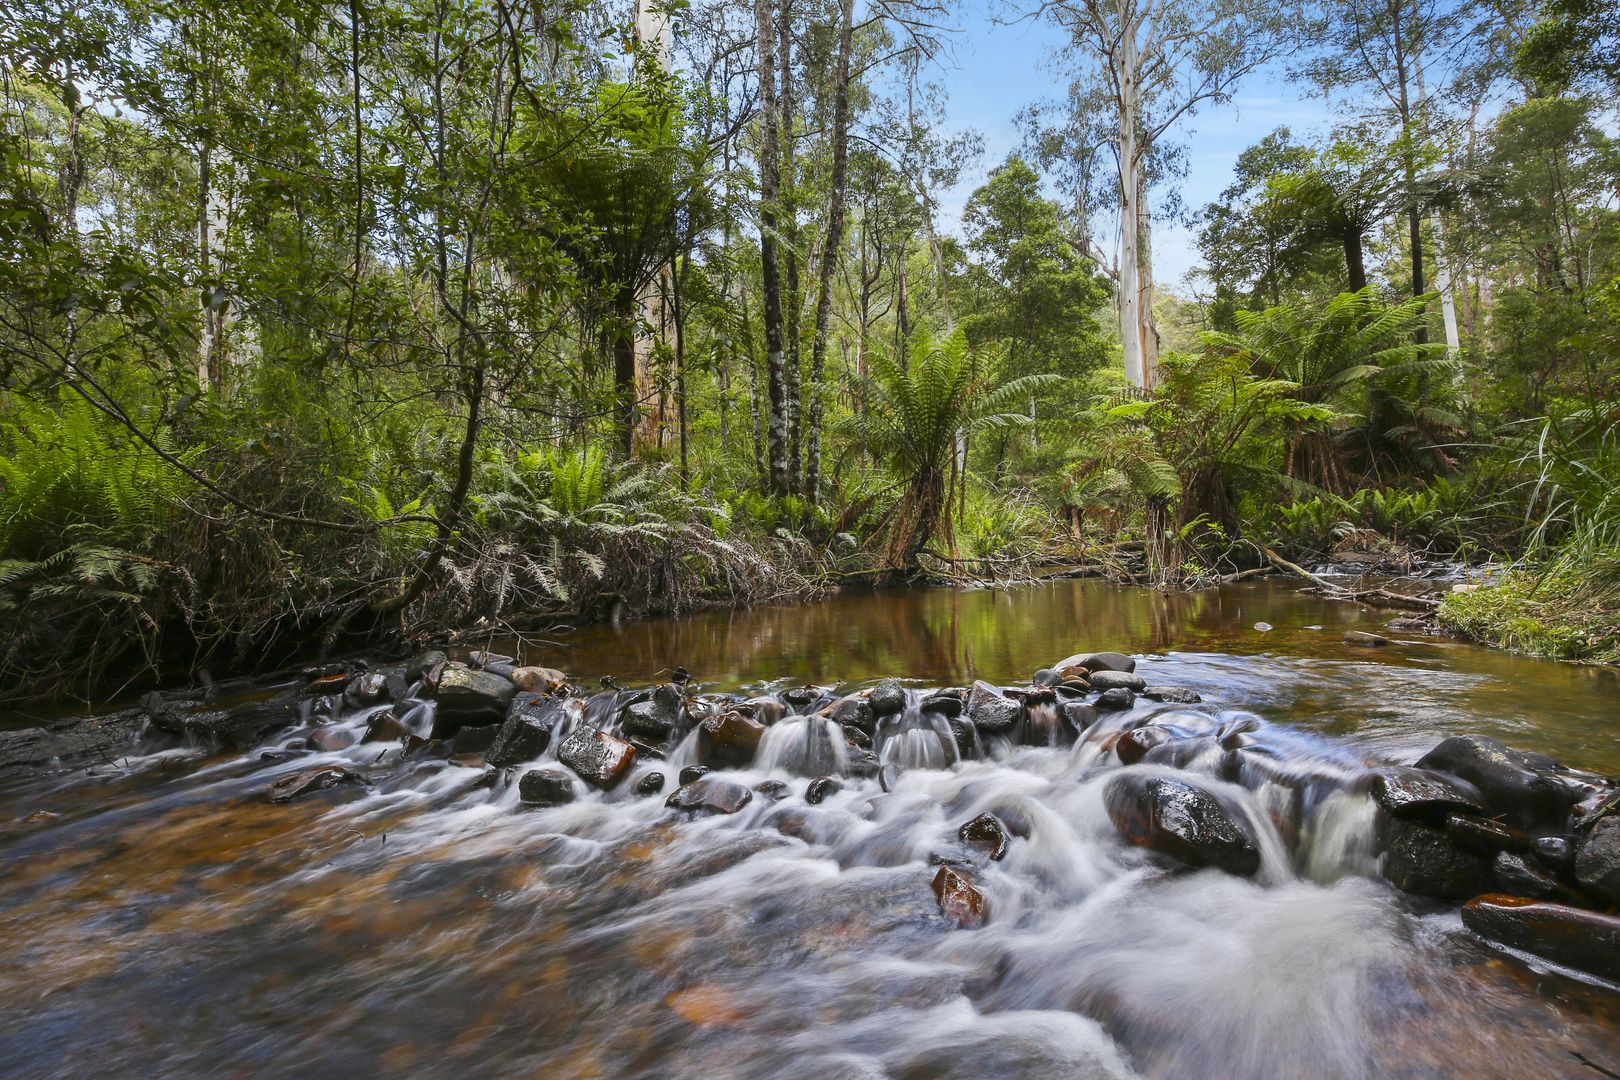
804,746
914,739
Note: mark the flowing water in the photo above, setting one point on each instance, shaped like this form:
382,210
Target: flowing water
159,916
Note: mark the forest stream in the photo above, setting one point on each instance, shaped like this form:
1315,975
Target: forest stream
795,914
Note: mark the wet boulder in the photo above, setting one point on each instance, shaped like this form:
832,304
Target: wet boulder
1597,860
1079,715
545,787
991,710
597,757
1121,680
470,697
1424,861
1421,795
1184,822
966,738
1584,940
1485,835
763,710
802,699
692,773
1365,640
1172,695
238,727
709,795
728,741
1098,661
537,680
988,834
774,790
959,898
423,664
946,703
854,712
385,727
1522,875
1115,699
655,718
1554,851
100,737
331,739
309,781
887,698
822,787
524,735
475,740
856,737
1134,745
1519,788
366,689
651,783
863,763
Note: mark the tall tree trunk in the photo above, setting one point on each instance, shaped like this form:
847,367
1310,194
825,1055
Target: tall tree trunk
792,257
1146,324
771,286
1130,295
623,335
1355,265
832,245
1443,284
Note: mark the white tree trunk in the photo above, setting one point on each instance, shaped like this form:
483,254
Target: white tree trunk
1443,285
1130,290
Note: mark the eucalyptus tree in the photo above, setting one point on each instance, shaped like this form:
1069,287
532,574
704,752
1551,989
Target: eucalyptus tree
1156,62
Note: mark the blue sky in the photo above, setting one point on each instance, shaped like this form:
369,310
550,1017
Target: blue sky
991,71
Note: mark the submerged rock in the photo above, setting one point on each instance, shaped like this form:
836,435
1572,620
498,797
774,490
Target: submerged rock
774,790
470,697
1580,939
1420,795
709,795
959,898
1181,821
1172,695
986,833
304,783
331,739
545,787
385,727
1364,639
1516,786
991,710
597,757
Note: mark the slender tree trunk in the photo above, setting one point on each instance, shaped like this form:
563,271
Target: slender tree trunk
832,245
1130,295
792,257
1354,263
771,286
1443,284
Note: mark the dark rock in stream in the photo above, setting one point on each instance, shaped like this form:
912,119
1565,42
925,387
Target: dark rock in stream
524,735
1516,786
728,741
1116,699
821,787
959,898
546,787
1597,861
328,740
692,773
304,783
1420,795
475,740
991,710
853,712
1134,745
424,663
367,689
470,697
1425,861
887,698
651,783
1118,680
774,790
946,703
596,756
386,727
239,727
986,833
1098,661
1555,851
1172,695
654,719
1079,715
1521,875
101,738
1181,821
1485,835
1580,939
710,795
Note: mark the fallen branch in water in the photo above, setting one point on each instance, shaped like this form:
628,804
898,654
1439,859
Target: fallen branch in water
1339,592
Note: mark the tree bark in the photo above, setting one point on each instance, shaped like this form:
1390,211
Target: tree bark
832,245
1355,264
771,286
1130,296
